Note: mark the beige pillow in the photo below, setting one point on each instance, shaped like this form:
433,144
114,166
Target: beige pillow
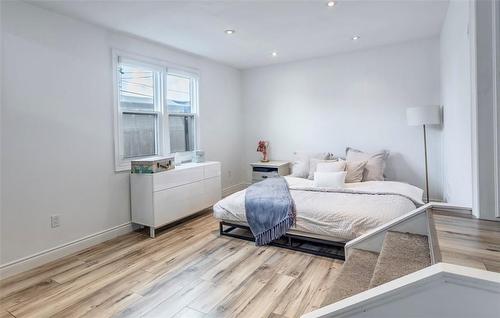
355,171
375,163
336,166
313,162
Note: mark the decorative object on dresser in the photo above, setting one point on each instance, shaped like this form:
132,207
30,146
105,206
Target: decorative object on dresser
263,147
263,170
162,198
198,156
153,164
421,116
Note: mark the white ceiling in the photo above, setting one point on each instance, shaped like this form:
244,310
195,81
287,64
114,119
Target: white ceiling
295,29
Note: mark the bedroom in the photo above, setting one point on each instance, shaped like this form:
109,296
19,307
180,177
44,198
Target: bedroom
310,78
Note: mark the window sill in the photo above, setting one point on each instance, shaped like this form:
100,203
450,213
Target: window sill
123,166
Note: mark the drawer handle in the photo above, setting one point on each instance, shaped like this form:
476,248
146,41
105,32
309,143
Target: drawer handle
264,177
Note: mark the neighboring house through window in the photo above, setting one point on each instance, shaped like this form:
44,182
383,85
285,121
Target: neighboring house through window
156,110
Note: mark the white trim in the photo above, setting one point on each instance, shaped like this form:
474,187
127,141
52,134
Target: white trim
156,62
54,253
410,285
496,96
234,188
474,111
453,208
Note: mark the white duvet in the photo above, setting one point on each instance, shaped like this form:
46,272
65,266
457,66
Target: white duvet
341,214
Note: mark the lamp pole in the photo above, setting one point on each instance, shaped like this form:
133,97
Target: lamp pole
426,170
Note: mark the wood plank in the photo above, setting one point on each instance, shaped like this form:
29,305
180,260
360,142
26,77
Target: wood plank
300,294
239,298
186,271
189,313
468,241
228,281
263,304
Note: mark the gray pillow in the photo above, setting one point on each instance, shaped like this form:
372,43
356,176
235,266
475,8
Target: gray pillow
355,171
375,163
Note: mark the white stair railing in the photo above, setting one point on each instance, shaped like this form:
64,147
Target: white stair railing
441,290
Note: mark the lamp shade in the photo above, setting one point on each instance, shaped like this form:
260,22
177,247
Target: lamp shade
426,115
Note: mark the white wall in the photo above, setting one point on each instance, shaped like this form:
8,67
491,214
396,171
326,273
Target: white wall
456,99
57,127
356,99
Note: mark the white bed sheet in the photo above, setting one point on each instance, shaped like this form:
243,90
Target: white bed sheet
343,214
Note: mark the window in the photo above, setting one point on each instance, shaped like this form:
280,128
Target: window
156,110
181,111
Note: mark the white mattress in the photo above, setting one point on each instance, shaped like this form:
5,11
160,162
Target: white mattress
340,214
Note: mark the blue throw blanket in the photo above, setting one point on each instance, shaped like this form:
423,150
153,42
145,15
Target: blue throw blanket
270,209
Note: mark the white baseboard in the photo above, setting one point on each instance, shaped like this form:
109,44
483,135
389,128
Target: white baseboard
43,257
234,188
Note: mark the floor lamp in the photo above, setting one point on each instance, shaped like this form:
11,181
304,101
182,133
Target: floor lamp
422,116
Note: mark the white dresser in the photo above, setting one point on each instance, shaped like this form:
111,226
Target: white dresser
165,197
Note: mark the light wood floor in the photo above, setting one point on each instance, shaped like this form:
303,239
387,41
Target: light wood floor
467,241
187,271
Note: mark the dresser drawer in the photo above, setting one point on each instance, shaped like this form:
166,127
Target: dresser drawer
259,176
212,170
177,177
176,203
212,191
264,170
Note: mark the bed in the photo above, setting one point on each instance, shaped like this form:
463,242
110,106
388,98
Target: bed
333,215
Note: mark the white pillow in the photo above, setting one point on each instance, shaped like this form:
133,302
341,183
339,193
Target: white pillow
313,163
300,169
335,166
335,180
300,164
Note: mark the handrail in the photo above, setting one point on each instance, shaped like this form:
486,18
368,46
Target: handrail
387,226
409,285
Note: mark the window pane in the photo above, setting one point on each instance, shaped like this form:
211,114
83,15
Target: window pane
136,87
181,133
178,94
138,135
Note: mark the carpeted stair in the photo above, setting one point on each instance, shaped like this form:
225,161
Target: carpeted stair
401,254
355,275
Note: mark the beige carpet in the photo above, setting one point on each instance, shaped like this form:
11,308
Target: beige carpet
354,277
402,254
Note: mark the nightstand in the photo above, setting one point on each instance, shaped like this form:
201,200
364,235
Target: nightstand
263,170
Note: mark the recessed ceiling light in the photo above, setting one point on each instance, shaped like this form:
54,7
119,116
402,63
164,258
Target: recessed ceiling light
274,54
229,31
330,3
356,37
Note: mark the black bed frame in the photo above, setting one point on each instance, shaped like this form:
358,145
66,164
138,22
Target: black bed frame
300,243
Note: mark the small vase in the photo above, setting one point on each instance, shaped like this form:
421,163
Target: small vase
265,158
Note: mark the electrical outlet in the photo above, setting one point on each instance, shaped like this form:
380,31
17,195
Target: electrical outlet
55,221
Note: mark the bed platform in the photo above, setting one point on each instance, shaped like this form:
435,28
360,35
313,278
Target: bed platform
326,218
312,245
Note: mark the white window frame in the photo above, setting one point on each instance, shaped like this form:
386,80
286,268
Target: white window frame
194,88
163,132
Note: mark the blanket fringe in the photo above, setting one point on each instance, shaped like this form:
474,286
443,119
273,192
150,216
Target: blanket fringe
275,232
